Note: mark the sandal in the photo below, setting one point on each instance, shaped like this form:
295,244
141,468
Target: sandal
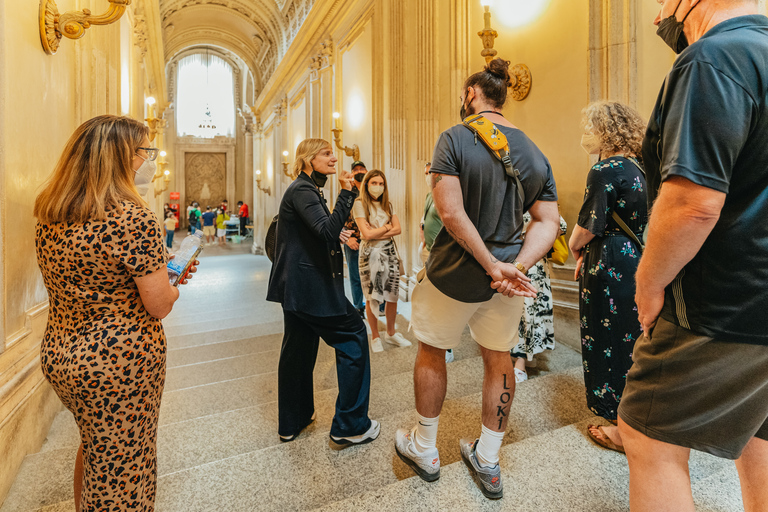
605,441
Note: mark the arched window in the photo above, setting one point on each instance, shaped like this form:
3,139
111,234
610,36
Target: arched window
206,97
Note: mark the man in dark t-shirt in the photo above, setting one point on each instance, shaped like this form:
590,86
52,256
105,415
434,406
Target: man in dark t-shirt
479,253
700,373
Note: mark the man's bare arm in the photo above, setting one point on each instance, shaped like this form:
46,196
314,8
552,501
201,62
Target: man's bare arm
683,217
541,234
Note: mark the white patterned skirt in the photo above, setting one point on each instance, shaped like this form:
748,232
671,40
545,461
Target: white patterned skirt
537,327
379,272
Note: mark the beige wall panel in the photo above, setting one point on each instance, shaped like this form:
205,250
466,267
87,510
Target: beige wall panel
297,128
654,59
356,99
39,116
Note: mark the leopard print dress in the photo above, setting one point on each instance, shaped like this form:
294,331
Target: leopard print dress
103,353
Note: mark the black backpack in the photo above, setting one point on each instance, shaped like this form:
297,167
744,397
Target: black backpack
271,239
193,216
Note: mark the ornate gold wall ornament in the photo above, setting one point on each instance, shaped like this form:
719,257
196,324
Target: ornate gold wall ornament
521,82
520,74
73,24
266,190
354,151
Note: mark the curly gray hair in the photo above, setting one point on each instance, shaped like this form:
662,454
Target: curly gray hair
619,126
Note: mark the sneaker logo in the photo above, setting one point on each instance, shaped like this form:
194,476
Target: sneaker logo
495,480
434,461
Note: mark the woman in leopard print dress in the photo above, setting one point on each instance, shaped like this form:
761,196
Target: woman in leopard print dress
101,254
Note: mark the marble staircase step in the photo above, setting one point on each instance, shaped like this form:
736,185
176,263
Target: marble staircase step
217,451
557,470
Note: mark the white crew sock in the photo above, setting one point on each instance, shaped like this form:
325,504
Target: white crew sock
488,447
426,433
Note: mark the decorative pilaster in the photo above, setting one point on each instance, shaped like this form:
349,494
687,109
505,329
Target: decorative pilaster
613,51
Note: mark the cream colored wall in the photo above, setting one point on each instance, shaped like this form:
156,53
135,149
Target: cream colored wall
654,59
42,100
354,99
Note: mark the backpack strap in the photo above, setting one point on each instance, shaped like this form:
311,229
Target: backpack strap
495,140
627,231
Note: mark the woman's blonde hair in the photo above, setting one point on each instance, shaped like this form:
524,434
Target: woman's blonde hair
619,126
306,152
94,173
366,199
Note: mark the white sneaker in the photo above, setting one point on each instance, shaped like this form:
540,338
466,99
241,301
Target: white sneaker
449,356
376,345
426,464
370,435
397,339
520,375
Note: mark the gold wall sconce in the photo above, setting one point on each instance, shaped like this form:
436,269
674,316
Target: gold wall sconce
354,151
154,123
285,164
266,190
166,181
73,24
520,74
161,163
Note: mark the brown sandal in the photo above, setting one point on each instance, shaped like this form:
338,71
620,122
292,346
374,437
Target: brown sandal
605,442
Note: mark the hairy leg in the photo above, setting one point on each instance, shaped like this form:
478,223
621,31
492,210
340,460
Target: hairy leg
429,380
498,388
753,473
659,480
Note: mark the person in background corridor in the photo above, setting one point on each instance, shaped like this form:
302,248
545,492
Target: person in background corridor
221,228
607,258
170,228
209,225
100,250
379,260
242,215
476,274
699,380
352,247
307,278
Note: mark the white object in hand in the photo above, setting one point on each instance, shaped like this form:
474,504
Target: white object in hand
190,248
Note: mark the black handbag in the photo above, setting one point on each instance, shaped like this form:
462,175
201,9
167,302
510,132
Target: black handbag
271,239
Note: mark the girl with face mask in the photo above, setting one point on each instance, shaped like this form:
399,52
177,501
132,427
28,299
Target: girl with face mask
379,261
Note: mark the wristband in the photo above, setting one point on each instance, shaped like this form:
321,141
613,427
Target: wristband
520,267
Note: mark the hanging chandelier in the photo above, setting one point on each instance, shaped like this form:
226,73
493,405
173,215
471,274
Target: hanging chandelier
207,121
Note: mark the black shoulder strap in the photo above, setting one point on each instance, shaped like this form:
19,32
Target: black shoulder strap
627,231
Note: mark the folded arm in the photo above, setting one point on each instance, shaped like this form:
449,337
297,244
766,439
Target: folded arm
311,211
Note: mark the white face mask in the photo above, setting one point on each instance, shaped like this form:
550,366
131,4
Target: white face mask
144,175
591,143
376,191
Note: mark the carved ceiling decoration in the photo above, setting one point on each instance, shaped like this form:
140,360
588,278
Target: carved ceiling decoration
258,31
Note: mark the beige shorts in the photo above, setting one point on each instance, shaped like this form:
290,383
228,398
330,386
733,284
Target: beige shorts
439,320
209,230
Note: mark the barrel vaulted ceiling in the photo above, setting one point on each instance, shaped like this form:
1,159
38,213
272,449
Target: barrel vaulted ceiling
258,31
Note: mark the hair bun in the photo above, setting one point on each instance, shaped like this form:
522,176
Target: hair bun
500,69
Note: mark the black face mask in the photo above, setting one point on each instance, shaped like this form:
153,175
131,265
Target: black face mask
671,31
319,178
359,177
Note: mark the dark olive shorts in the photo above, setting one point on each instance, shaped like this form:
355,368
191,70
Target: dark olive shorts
698,392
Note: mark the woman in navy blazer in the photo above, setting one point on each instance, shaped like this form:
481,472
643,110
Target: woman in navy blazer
308,280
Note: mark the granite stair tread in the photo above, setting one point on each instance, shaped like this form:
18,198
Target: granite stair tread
554,471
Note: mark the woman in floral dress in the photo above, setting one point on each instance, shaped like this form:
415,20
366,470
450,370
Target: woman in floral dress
607,258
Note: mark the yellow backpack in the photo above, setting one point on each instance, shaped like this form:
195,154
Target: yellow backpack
496,141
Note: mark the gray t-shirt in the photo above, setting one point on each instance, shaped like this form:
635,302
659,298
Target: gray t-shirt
491,202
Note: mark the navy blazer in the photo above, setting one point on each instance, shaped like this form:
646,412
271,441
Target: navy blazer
308,271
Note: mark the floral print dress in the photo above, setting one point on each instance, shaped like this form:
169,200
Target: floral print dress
609,323
537,325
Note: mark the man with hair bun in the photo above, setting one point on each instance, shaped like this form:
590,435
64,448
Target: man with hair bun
476,273
699,379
